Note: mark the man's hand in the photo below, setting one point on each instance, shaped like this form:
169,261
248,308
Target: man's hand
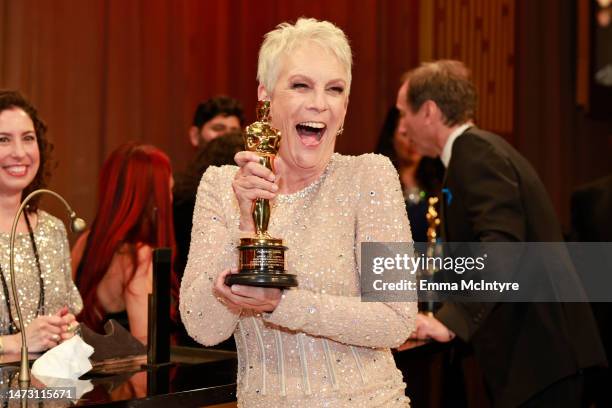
428,327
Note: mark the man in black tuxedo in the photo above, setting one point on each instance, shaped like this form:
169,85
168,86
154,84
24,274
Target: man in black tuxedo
531,354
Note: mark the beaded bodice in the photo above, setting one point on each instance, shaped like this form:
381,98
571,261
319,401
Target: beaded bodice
322,346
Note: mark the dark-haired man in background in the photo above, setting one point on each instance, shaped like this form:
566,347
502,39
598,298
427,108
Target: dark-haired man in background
531,354
216,134
213,118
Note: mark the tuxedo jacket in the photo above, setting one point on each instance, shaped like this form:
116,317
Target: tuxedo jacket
521,347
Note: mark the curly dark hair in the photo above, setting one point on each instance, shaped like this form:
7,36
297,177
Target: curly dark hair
447,83
10,99
220,105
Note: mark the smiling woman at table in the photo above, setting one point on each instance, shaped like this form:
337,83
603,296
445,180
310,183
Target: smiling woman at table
48,298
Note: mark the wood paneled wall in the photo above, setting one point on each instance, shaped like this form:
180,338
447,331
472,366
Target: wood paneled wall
566,146
481,34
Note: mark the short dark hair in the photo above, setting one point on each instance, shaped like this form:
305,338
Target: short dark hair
13,99
448,84
219,105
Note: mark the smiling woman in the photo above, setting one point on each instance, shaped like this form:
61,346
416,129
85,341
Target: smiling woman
317,344
42,270
308,105
21,157
305,71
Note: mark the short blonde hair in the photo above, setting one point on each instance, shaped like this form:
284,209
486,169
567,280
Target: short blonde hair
285,37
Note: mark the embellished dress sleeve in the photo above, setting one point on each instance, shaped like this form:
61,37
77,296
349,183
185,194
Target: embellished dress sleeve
380,217
211,251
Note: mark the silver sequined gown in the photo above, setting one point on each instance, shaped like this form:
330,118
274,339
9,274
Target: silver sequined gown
321,347
54,252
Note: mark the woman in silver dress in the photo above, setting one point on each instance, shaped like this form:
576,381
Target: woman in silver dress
49,299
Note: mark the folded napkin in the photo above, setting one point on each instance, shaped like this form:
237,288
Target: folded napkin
67,360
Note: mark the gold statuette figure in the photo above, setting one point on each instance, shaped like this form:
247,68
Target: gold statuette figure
262,258
433,223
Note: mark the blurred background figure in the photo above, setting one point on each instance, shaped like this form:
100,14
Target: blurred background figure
49,298
420,177
113,260
213,118
217,152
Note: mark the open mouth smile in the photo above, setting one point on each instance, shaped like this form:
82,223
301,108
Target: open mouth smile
16,170
311,133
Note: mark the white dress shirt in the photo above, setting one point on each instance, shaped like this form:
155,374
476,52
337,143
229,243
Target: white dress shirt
448,146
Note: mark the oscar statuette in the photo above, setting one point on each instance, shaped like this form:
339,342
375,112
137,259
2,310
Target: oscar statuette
262,258
433,247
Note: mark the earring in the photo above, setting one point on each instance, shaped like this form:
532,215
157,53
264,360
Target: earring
340,131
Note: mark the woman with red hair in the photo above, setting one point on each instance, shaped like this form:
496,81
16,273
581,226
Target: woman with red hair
114,258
